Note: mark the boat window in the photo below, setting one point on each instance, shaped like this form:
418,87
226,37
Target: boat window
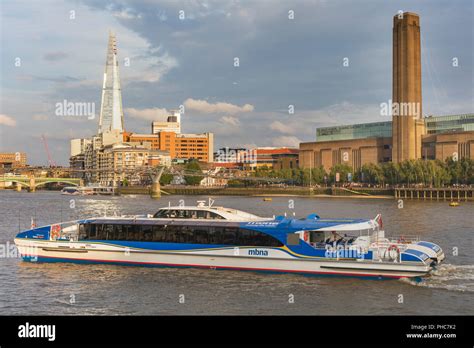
316,237
215,216
162,213
293,239
187,214
82,231
179,234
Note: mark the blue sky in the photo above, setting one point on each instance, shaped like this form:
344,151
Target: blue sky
190,61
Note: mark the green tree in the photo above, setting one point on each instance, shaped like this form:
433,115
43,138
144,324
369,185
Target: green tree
166,179
390,172
193,179
454,168
193,167
441,175
373,173
343,170
235,183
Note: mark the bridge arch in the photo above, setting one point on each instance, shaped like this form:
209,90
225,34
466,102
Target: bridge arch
25,183
41,183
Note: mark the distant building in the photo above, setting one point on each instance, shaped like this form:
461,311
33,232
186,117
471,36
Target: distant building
159,158
11,160
230,155
111,112
355,131
77,164
172,124
179,145
408,135
113,155
449,123
78,146
273,158
209,181
119,162
407,125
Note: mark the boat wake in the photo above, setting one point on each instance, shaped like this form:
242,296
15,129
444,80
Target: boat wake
448,277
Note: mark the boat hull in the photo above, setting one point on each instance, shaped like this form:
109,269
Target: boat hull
275,261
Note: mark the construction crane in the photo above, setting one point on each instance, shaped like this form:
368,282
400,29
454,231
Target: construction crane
50,159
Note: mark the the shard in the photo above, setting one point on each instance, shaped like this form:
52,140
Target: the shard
111,113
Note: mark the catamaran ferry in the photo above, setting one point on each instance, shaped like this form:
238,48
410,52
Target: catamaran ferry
221,238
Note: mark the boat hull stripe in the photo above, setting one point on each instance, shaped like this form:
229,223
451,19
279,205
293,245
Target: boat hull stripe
364,275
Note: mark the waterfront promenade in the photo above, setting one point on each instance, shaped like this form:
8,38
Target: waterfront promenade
447,194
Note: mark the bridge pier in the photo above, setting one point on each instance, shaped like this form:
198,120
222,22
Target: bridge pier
18,187
155,191
32,184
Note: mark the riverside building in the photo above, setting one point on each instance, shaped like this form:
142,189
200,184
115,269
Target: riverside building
408,135
114,155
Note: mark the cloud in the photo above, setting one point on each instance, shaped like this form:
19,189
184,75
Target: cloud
205,107
153,114
7,121
59,79
40,117
122,13
231,120
55,56
282,128
286,141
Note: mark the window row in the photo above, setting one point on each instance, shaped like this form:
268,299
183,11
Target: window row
186,214
177,234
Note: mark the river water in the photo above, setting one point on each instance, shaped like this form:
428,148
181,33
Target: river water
54,289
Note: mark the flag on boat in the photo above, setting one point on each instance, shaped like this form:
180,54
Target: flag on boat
378,220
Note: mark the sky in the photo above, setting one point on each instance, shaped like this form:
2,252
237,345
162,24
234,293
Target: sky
329,60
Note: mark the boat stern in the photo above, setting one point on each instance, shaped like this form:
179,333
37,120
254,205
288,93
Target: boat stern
434,251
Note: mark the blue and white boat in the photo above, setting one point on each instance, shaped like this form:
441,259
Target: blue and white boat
220,238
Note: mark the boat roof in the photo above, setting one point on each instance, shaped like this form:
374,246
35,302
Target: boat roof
227,213
279,223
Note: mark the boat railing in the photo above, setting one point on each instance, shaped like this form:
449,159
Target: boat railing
401,239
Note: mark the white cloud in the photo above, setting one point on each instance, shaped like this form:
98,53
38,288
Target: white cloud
7,120
282,128
153,114
40,117
286,141
231,120
205,107
149,66
126,14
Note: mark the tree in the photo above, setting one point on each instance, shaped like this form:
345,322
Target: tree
193,167
454,168
193,180
343,170
390,172
166,179
441,175
373,173
235,183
